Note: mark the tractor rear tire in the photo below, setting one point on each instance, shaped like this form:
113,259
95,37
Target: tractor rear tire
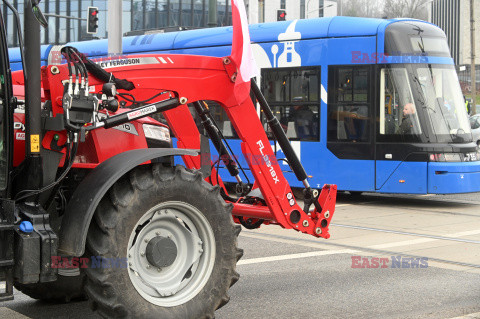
63,290
179,240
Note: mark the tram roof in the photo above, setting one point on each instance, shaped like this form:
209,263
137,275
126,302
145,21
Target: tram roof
211,37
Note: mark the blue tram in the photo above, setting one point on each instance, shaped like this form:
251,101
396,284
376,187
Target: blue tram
368,104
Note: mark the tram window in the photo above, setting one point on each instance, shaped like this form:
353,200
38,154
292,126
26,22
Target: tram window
220,117
398,113
294,96
276,86
349,104
222,120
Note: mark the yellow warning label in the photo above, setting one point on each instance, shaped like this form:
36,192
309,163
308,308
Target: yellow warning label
35,143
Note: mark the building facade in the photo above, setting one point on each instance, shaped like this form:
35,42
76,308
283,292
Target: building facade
145,15
453,17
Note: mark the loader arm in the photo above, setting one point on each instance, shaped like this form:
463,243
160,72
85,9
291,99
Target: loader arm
196,78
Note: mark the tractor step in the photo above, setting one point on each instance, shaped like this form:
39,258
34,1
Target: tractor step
6,283
6,250
6,227
6,263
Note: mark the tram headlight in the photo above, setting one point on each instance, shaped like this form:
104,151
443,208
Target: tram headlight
454,157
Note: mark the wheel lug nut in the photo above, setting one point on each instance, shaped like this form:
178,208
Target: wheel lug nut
146,240
157,233
148,266
142,254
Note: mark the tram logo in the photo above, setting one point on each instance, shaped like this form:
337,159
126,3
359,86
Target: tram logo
389,262
289,56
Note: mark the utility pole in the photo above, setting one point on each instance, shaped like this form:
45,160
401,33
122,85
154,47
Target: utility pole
114,27
212,13
472,56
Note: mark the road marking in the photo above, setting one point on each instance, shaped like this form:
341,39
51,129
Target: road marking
398,232
295,256
423,240
470,316
11,314
297,241
359,203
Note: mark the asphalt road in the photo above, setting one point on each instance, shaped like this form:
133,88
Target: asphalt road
285,274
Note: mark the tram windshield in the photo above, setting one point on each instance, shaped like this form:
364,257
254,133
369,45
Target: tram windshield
439,93
422,103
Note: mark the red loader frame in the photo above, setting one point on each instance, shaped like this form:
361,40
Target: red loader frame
196,78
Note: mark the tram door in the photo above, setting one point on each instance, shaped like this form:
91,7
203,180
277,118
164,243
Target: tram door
398,127
350,126
293,94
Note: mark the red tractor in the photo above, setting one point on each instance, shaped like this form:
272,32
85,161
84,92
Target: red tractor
91,201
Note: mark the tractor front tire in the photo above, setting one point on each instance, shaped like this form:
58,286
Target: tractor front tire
171,242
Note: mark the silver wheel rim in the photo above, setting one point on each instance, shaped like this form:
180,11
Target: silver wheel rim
193,236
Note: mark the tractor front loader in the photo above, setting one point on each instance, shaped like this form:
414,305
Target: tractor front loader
91,201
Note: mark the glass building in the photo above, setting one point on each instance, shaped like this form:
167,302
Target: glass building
137,15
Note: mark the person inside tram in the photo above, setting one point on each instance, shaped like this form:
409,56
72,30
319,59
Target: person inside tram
408,119
303,119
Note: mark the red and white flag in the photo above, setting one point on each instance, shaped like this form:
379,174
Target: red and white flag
242,54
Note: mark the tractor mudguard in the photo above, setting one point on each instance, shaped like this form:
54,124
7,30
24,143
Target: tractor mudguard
84,201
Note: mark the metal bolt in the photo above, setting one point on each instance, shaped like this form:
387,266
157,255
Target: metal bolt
157,233
226,61
318,230
159,269
327,214
305,223
54,70
130,264
234,77
315,193
142,254
183,100
146,240
148,266
129,256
